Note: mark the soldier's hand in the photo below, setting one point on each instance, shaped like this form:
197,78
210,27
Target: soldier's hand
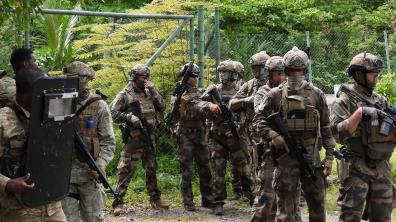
278,141
134,120
95,174
327,164
19,185
214,108
249,100
148,84
372,112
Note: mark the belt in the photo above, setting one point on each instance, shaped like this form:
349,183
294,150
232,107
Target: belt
190,130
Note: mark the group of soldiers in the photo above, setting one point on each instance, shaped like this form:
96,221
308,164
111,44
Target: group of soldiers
277,117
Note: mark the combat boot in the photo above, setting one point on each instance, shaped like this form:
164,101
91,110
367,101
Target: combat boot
236,196
159,205
218,210
190,207
118,207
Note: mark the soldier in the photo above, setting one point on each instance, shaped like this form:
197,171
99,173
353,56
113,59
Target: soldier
23,58
93,121
7,89
303,108
226,145
366,174
264,207
136,147
14,122
243,101
192,146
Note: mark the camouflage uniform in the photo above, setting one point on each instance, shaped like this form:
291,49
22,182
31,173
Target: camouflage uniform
137,148
193,147
13,130
366,174
307,128
246,92
86,199
225,145
7,90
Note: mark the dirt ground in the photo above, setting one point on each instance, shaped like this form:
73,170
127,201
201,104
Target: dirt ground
233,211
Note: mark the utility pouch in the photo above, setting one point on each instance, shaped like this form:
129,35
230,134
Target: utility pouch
343,169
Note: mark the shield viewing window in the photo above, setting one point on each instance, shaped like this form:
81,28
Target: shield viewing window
59,105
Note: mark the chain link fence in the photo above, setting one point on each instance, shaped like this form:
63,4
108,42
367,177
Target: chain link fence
330,52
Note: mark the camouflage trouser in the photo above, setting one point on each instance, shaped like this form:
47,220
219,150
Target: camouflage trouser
286,181
251,156
19,213
357,189
131,155
264,207
192,146
234,150
87,203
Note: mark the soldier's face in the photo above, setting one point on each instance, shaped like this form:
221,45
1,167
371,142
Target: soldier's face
295,72
31,63
372,78
192,81
277,77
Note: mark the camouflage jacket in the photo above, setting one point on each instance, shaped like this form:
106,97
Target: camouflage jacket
106,140
13,139
248,89
365,142
268,103
7,90
193,109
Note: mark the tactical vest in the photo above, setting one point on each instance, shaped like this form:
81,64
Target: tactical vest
146,104
189,116
300,114
367,141
87,124
230,92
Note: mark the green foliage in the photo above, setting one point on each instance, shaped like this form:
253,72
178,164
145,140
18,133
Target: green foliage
387,87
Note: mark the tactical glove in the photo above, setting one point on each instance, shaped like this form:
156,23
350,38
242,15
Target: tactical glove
327,164
277,141
134,120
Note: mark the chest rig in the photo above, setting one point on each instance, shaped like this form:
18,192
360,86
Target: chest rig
189,112
367,140
146,103
87,123
221,125
300,113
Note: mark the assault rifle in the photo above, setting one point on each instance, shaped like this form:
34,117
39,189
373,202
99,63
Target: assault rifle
178,92
386,122
144,130
83,150
297,150
226,114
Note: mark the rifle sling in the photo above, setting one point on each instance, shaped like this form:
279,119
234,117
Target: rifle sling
89,102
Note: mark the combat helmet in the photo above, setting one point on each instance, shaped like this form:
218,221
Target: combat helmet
227,66
275,63
259,59
365,62
296,59
140,70
77,68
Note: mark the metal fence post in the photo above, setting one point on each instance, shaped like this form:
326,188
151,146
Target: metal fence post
191,37
217,39
201,45
388,67
310,59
